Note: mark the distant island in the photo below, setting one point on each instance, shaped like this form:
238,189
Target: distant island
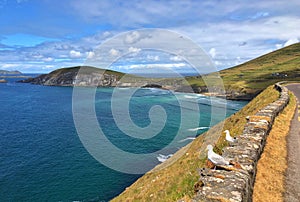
242,82
6,72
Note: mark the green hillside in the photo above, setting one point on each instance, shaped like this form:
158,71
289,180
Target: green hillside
85,69
255,75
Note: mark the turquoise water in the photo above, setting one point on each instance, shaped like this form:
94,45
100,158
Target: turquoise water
43,159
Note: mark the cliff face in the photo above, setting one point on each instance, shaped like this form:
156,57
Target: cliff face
96,79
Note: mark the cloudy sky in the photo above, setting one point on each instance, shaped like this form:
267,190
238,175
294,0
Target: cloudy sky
43,35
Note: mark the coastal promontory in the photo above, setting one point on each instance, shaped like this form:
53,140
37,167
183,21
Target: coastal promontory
77,76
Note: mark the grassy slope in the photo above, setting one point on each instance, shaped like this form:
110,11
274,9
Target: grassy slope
89,70
86,69
256,75
176,181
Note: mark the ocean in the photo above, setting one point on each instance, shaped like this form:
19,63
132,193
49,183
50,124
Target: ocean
42,157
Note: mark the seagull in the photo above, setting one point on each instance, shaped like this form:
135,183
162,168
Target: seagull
215,158
229,138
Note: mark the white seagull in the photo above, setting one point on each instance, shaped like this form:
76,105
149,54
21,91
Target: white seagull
229,138
215,158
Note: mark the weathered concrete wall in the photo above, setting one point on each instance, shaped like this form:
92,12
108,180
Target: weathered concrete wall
235,183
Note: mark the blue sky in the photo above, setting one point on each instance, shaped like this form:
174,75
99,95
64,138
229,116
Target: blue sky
43,35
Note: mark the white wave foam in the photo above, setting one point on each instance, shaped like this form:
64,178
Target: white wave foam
163,158
186,139
124,88
190,97
198,128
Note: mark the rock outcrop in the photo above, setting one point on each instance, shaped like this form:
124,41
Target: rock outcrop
236,183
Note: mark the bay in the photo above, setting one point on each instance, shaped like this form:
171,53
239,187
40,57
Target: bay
43,159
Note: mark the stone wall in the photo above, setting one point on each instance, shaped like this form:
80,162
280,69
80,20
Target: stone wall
235,182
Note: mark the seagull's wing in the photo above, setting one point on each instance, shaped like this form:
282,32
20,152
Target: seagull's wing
230,139
217,159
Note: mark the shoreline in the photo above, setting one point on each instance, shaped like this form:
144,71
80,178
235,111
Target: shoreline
227,96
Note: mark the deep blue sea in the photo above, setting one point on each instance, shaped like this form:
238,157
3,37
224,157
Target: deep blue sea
43,159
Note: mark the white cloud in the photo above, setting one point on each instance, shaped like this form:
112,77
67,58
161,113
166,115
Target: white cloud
114,52
155,65
212,52
176,58
153,57
106,34
291,41
132,37
134,50
75,54
218,63
48,59
90,54
261,37
9,66
278,46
